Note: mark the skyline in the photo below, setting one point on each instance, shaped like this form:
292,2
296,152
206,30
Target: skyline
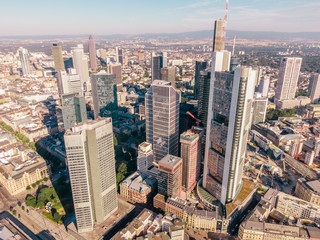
79,17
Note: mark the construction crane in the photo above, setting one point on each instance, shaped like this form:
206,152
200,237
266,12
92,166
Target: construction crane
307,172
225,22
198,121
253,157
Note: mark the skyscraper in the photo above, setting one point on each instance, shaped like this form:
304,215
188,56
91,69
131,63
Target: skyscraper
218,36
314,88
264,86
57,57
288,78
145,157
203,95
71,110
228,124
170,175
24,60
199,67
191,143
119,57
90,154
80,63
92,54
158,61
162,119
169,74
68,82
117,70
259,107
104,95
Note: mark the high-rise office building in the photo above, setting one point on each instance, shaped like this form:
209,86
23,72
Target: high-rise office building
68,82
145,157
259,107
169,74
57,57
119,57
24,60
90,154
199,67
191,143
80,63
314,88
218,37
264,86
203,96
288,78
228,124
104,95
117,70
92,54
158,61
71,110
170,175
162,119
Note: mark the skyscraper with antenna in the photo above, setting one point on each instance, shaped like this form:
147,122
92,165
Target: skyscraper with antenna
219,36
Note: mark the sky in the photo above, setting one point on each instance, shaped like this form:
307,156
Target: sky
104,17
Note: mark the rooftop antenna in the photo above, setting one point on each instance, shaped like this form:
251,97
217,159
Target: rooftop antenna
234,44
225,21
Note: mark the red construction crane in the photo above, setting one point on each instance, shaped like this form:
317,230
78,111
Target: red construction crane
198,121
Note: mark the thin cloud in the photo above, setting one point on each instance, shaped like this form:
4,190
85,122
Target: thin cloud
196,5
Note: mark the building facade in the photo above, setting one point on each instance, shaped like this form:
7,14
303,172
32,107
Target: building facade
288,78
314,88
90,156
259,107
229,121
145,157
191,142
57,57
169,74
80,63
170,175
219,36
162,119
117,70
200,66
24,61
104,95
308,190
92,54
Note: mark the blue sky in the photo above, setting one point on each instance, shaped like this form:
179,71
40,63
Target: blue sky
36,17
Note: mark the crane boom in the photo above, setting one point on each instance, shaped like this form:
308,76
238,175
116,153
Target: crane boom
198,121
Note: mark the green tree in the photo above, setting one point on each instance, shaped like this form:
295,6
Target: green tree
22,207
34,185
122,169
11,208
119,178
115,140
14,212
28,188
183,99
19,203
45,179
146,74
31,201
57,217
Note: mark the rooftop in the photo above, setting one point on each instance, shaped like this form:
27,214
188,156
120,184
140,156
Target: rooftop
170,160
314,185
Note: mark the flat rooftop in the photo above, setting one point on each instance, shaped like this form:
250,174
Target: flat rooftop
314,185
170,160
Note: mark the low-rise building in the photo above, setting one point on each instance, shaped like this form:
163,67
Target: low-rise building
137,188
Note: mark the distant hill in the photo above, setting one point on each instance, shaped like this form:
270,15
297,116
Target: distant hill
195,35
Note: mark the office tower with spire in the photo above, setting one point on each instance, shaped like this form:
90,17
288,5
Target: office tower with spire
191,142
71,110
288,78
200,66
119,57
104,95
228,124
57,57
92,54
90,154
24,60
314,88
80,63
169,74
162,119
117,70
145,157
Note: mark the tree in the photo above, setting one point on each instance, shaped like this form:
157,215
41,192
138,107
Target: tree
19,203
122,169
115,140
31,201
183,99
14,212
34,185
45,179
28,188
57,217
19,215
11,208
22,207
146,74
119,178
